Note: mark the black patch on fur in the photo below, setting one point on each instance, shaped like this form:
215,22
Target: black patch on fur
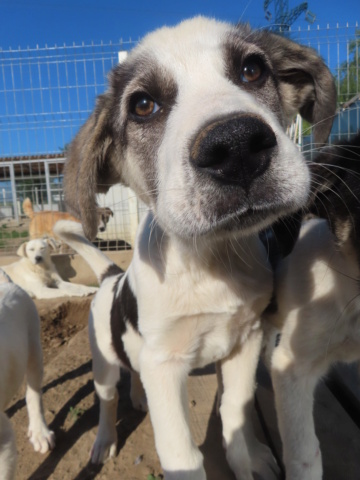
280,238
129,304
272,307
111,271
123,311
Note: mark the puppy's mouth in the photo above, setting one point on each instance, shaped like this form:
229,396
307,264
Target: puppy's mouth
245,221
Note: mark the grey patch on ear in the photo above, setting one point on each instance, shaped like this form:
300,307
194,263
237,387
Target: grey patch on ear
21,251
306,84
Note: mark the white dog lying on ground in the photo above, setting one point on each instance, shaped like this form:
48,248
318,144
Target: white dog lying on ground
37,275
20,354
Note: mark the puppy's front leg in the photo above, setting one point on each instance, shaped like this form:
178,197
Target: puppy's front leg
164,380
244,452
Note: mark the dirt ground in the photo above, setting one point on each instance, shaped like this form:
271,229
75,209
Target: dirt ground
71,410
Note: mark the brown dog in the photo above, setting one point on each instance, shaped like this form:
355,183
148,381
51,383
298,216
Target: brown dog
42,223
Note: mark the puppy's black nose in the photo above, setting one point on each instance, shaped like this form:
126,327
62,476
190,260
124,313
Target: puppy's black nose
234,150
38,259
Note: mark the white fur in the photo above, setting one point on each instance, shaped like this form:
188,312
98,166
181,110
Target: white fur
20,355
37,275
318,297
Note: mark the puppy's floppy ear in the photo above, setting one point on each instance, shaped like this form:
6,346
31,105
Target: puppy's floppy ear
306,84
92,163
21,251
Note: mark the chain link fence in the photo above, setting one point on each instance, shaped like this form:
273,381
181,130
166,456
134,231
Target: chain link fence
47,93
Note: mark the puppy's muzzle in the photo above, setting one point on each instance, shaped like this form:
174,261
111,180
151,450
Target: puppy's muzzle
234,150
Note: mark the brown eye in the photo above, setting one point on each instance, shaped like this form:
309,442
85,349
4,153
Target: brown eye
252,70
142,105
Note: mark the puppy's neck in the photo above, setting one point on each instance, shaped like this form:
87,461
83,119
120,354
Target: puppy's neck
169,253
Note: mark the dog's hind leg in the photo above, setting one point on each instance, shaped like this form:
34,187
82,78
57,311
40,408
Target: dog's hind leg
294,389
40,436
245,454
7,449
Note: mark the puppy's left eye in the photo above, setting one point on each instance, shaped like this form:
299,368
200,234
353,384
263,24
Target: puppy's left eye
252,70
143,105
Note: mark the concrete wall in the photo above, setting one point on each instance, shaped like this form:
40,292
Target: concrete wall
73,268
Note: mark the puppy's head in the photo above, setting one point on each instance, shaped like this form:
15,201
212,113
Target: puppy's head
194,121
37,251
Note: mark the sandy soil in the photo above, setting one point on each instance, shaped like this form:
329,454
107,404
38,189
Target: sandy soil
71,409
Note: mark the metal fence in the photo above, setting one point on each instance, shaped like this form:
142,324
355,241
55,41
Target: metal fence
47,93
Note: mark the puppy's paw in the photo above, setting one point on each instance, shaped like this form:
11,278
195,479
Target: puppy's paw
139,402
103,449
41,438
264,465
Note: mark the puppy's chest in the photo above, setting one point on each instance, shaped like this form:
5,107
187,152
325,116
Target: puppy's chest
202,315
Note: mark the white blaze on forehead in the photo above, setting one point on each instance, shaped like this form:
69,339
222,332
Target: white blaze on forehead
191,37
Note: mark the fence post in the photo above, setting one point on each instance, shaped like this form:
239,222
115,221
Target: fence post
47,180
13,192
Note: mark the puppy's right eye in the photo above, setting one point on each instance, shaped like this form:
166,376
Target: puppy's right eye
142,105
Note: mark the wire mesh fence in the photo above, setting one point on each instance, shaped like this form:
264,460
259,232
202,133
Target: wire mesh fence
47,93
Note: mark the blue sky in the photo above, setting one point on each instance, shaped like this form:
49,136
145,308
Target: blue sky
46,94
39,22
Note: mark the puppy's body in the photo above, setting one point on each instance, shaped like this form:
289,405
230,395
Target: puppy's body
20,355
193,122
42,223
317,289
195,313
36,273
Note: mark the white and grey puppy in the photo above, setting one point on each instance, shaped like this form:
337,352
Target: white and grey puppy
317,292
20,355
193,121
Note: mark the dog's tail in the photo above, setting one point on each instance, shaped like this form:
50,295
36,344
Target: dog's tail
72,234
27,207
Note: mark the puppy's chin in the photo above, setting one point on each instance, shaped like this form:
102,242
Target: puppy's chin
247,223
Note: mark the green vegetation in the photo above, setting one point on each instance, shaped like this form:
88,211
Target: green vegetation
6,236
75,413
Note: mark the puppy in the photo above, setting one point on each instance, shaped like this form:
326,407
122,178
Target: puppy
37,275
42,223
20,355
317,292
193,121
